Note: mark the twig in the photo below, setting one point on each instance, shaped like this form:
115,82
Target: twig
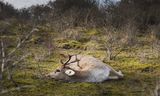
3,59
39,69
118,53
16,62
21,42
10,77
22,58
156,93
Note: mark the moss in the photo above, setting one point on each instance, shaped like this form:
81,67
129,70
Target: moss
92,45
139,77
69,44
135,83
92,32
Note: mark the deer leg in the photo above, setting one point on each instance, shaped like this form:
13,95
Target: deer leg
113,77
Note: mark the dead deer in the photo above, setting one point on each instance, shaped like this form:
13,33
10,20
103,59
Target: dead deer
79,68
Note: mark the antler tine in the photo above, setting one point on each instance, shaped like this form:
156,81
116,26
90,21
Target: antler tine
62,62
78,62
77,58
69,56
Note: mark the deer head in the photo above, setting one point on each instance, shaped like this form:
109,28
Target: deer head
64,72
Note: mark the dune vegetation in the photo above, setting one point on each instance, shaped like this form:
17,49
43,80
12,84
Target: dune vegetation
32,40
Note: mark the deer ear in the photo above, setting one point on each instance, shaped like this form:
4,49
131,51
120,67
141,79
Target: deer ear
69,72
63,55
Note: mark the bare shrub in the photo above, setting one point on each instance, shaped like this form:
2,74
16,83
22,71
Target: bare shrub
10,57
156,46
41,54
113,42
130,30
73,33
157,88
155,39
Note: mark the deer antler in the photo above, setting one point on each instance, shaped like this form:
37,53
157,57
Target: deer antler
76,60
69,56
67,62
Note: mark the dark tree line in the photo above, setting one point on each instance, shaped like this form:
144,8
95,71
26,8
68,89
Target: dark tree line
143,12
73,13
7,11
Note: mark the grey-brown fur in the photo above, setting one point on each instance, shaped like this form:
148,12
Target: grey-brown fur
85,69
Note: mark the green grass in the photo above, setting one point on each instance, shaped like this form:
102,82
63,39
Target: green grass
69,44
140,77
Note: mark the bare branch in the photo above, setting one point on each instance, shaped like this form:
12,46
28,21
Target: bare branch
157,89
3,59
22,42
3,56
22,58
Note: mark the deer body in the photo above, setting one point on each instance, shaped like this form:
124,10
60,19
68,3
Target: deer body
81,68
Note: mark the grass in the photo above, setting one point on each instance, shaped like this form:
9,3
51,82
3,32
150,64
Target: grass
140,77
